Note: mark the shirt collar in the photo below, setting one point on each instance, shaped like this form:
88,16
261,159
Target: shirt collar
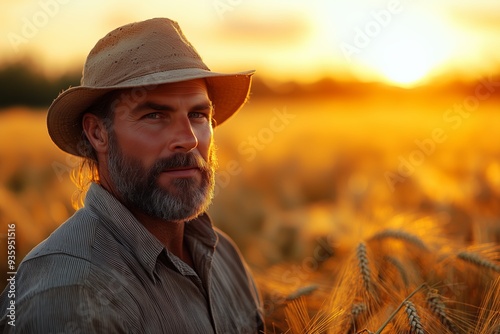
201,229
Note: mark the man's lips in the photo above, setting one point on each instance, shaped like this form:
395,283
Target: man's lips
182,171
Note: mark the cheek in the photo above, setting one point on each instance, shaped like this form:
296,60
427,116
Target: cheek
205,140
129,143
137,145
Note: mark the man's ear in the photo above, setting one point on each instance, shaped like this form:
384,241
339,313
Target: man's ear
96,132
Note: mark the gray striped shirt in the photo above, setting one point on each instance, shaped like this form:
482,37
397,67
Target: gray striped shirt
103,272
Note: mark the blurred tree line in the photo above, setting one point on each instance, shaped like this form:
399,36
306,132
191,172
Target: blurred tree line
22,83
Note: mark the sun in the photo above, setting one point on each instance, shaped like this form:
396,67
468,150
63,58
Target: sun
403,45
410,50
405,62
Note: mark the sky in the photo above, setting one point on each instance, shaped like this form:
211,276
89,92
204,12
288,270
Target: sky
403,42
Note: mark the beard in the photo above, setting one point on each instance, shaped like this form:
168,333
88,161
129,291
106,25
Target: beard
185,198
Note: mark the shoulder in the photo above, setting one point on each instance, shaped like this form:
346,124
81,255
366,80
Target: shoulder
227,247
226,241
73,237
65,309
63,259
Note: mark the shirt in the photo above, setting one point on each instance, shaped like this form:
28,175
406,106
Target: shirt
102,271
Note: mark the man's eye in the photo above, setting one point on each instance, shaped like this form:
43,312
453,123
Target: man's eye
153,115
198,115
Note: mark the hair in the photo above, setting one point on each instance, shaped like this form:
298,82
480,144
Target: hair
87,171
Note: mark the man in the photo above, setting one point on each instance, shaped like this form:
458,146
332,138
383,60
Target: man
141,256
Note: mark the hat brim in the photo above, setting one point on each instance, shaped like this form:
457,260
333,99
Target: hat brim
228,92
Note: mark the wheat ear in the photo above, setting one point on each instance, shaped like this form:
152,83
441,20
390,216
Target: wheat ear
478,260
303,291
364,264
393,314
413,318
356,310
437,307
402,235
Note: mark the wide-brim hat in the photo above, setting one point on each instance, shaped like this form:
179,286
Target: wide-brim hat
141,54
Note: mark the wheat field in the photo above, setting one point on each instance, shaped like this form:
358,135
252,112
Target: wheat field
374,213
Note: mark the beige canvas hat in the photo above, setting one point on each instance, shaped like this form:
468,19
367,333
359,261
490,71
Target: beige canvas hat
140,54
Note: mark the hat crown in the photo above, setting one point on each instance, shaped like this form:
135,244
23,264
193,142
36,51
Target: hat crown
139,49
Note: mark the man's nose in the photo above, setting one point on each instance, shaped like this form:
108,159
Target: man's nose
183,137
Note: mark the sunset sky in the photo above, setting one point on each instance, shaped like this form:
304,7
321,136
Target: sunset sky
397,41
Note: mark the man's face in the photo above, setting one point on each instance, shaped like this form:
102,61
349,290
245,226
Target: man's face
161,159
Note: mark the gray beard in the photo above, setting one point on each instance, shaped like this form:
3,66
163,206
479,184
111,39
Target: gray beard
185,198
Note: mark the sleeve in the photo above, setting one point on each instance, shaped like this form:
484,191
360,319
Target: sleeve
67,309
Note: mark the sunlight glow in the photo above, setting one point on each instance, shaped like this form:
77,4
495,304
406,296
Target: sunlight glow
411,50
403,43
405,63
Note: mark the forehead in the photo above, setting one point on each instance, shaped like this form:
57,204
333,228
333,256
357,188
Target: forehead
190,87
190,92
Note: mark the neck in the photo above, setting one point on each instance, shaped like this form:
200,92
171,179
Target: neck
170,234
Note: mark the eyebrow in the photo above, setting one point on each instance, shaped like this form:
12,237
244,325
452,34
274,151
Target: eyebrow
165,107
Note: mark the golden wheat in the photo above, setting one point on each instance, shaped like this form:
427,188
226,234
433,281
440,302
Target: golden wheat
357,309
378,276
489,316
297,315
300,322
401,269
413,318
478,260
364,265
403,258
352,318
302,291
438,308
401,235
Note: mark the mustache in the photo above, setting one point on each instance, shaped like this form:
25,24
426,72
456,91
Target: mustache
180,160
